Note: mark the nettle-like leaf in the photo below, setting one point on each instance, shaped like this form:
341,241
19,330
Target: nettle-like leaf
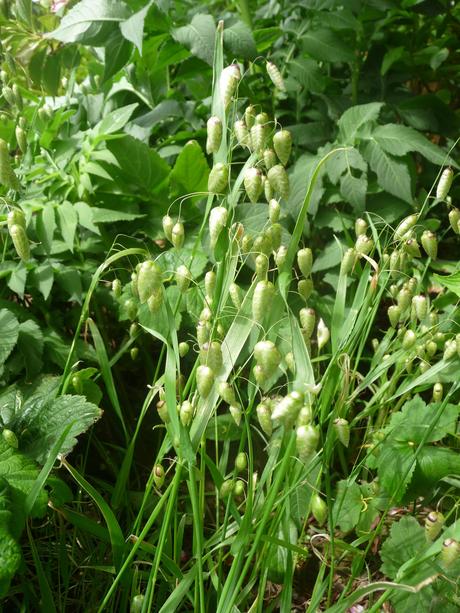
407,543
421,423
190,172
40,419
451,282
401,462
17,477
90,23
9,326
198,36
406,540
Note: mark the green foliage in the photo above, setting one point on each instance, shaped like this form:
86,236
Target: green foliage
105,169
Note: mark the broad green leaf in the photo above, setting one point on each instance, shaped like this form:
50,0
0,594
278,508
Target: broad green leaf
9,327
406,540
117,54
328,257
30,344
328,46
307,73
418,422
343,161
85,216
393,175
277,554
20,472
451,282
300,178
354,189
239,41
43,417
355,118
190,172
140,167
396,464
17,280
223,427
347,506
86,20
110,216
68,220
390,57
265,37
23,10
133,27
434,464
70,281
10,552
198,36
46,225
115,121
398,140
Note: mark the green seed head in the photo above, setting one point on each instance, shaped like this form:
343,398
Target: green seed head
217,222
168,225
155,301
183,278
360,227
229,78
444,183
241,133
235,295
249,116
211,355
186,413
214,129
178,235
394,315
450,552
158,475
421,306
184,348
348,261
268,356
409,339
322,334
307,438
305,261
430,244
433,525
262,298
241,462
236,413
10,438
261,266
437,392
318,509
454,220
411,247
280,256
264,417
253,183
149,279
218,178
342,429
279,180
282,143
275,76
269,157
364,245
405,226
305,288
204,380
274,210
307,321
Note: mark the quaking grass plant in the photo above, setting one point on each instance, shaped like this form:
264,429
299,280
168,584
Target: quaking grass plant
296,436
